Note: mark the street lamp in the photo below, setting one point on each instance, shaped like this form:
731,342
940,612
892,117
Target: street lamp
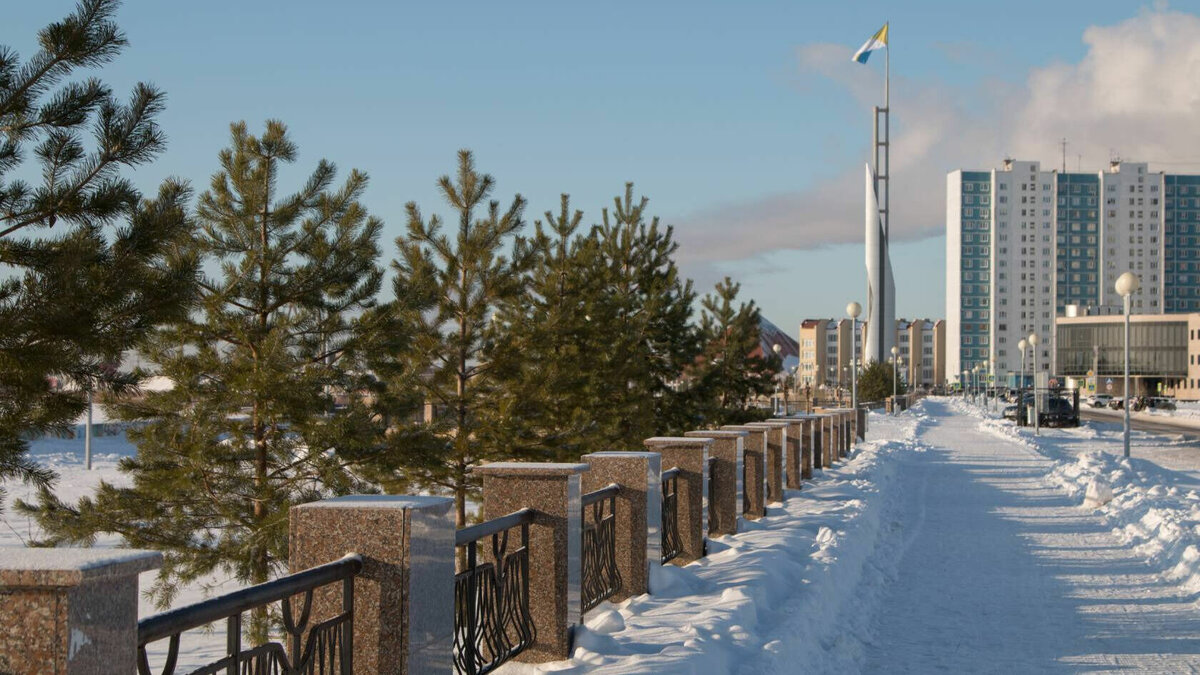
853,310
1127,285
1022,345
777,349
895,351
1037,422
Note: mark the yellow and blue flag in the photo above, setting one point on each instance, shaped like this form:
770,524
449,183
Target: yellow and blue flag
877,41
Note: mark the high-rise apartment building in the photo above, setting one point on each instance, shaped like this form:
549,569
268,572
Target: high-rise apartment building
1023,243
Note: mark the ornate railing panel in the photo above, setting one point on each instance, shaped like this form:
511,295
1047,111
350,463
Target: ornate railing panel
711,468
670,514
324,649
492,622
601,579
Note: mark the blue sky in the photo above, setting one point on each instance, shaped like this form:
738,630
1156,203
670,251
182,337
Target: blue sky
708,107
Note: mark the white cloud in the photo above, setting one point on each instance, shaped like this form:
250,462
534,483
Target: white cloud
1136,92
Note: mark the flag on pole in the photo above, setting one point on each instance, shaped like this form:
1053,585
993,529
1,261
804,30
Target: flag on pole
877,41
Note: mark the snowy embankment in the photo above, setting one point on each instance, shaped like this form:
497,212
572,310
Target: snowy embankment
1136,497
784,590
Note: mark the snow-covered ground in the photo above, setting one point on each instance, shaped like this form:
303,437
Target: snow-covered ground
950,541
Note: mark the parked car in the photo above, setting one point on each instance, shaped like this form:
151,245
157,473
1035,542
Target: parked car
1117,403
1059,412
1161,403
1012,412
1100,400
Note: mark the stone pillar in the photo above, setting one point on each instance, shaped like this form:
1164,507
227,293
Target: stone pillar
862,424
690,456
553,491
829,441
638,515
776,442
753,470
404,595
70,610
726,487
799,458
806,428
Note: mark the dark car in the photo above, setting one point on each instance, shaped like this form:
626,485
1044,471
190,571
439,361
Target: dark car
1059,412
1161,403
1012,412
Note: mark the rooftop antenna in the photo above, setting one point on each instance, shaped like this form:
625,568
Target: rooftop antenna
1064,153
1079,162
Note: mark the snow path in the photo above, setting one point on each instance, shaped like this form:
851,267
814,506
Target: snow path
993,569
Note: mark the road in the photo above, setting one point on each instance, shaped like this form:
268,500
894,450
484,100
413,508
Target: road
1141,424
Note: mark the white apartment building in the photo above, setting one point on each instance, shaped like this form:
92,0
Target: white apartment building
1022,243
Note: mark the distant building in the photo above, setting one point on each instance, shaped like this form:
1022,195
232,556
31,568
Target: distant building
1023,243
826,355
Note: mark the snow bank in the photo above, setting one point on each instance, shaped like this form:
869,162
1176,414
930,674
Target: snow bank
782,591
1136,497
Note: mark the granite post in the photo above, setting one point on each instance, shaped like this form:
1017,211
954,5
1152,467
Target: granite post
828,441
776,442
799,456
70,610
726,487
553,491
638,515
690,456
753,469
862,424
404,595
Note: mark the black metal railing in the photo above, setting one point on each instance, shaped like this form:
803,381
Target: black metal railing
711,468
601,579
326,648
492,622
670,514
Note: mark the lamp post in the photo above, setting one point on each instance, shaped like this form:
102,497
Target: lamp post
895,365
853,310
1127,285
777,349
1022,345
1037,422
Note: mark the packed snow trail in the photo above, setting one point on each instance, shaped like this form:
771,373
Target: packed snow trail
993,569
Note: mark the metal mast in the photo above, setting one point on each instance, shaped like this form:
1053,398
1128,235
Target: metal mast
883,153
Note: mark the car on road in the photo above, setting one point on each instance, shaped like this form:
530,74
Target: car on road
1059,412
1160,403
1099,400
1011,411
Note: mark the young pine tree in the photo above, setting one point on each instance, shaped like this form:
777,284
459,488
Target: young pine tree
266,411
541,363
87,268
647,341
734,368
447,288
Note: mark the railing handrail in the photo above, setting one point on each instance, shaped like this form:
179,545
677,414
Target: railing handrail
494,526
171,622
606,492
670,473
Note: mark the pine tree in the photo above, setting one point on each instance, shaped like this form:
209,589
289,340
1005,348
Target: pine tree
734,367
541,366
268,408
447,288
77,289
875,381
644,309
